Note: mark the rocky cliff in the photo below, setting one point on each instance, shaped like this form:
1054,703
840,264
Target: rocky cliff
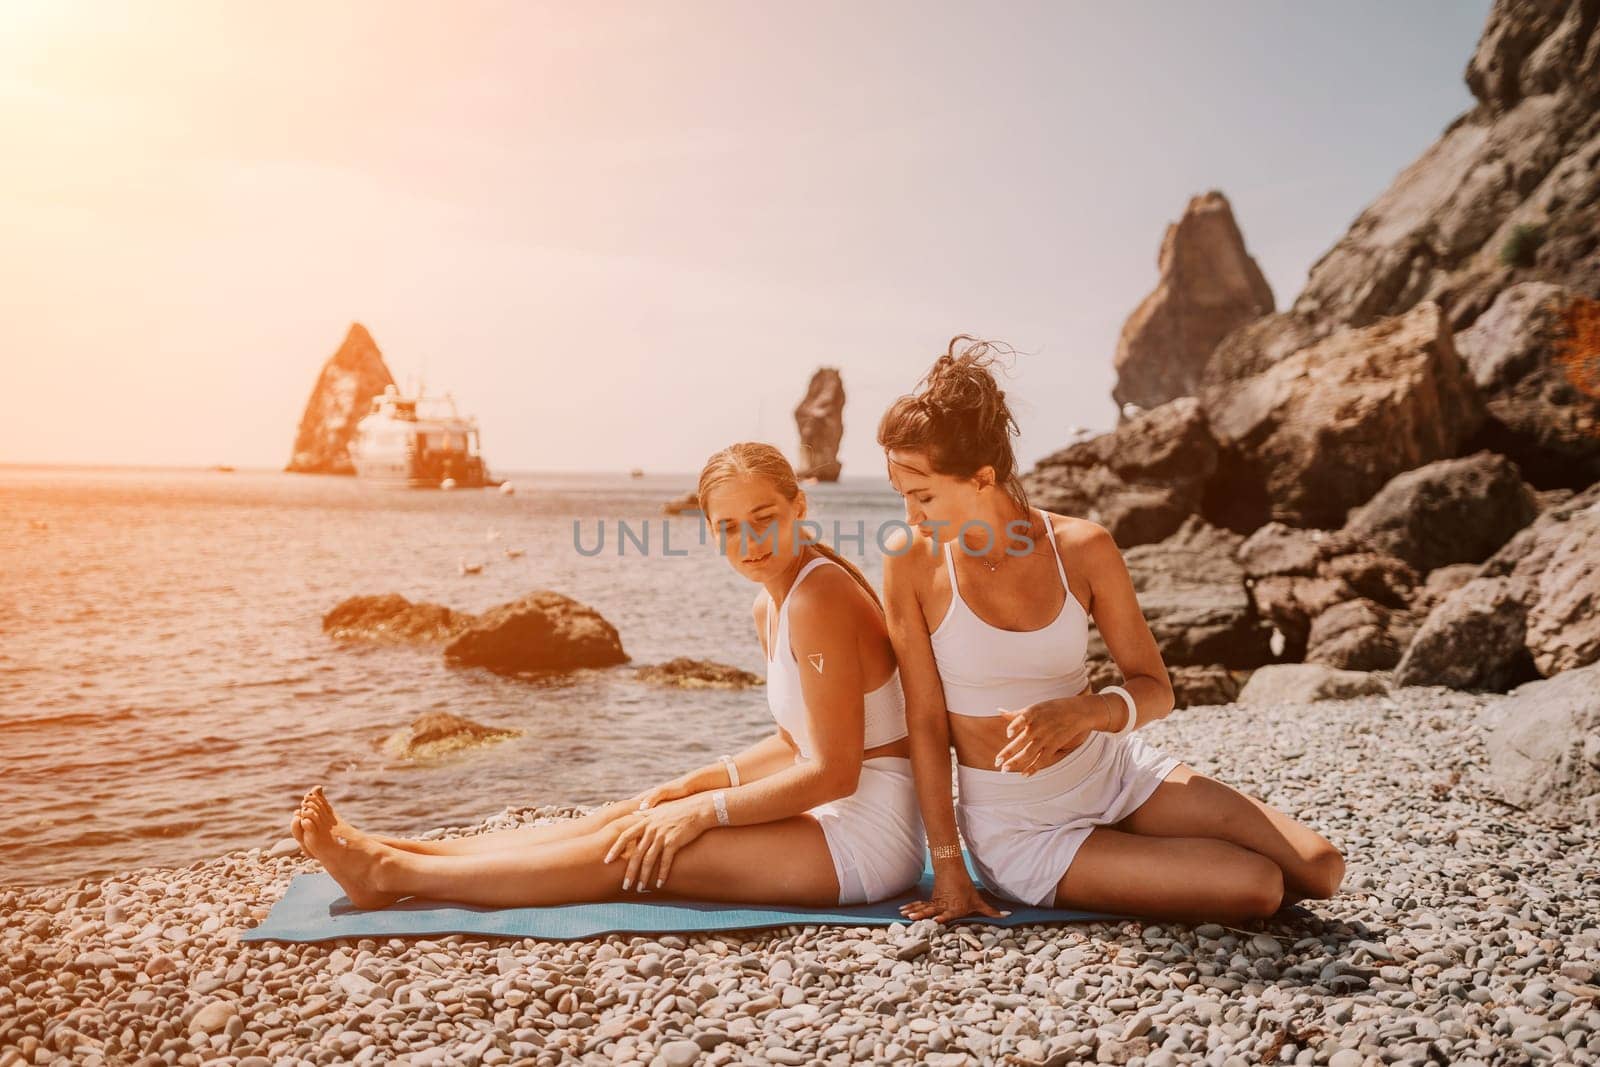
349,380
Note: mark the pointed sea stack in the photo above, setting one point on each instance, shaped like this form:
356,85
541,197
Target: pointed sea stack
343,394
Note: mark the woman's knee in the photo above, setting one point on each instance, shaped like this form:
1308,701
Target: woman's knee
1260,888
1323,872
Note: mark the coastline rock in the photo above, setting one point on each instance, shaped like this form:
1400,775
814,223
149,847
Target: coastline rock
1544,746
1479,637
684,504
820,419
543,631
1140,481
686,673
1209,285
1321,431
1535,356
342,396
437,733
1358,635
1193,596
1449,511
391,618
1305,683
1192,687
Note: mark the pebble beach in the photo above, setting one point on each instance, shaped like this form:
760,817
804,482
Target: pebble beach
1466,932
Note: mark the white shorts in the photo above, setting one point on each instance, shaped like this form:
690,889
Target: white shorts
875,834
1023,832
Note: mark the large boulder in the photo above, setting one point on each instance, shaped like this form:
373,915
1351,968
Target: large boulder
820,418
1140,481
1530,610
1209,284
1193,596
1450,511
392,619
543,632
1535,357
1306,683
1299,580
1544,746
1321,431
343,394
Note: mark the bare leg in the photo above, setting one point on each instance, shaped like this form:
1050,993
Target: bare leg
1189,804
517,837
786,861
1186,878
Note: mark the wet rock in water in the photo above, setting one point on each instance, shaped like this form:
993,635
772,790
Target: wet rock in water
1304,683
1544,746
543,632
343,394
687,673
437,733
820,420
394,619
1321,431
1209,285
1140,481
682,505
1528,613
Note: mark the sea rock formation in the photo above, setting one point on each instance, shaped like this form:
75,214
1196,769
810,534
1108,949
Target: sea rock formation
1323,429
1544,746
1450,511
437,733
1535,356
820,418
343,394
1531,610
1140,481
391,618
686,673
1193,596
1209,285
542,632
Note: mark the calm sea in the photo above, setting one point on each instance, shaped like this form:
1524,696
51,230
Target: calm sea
167,693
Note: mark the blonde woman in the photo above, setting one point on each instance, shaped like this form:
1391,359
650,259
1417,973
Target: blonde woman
822,812
1062,802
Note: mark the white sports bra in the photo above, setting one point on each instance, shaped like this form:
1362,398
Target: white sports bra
885,706
984,668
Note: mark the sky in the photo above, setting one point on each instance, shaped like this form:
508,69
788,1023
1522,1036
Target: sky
625,235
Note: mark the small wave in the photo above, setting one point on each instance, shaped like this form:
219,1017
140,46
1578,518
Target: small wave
295,680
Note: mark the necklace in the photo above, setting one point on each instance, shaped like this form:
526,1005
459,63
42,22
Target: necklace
1003,554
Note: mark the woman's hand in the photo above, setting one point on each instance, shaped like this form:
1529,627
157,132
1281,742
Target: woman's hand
650,839
1044,732
953,897
674,790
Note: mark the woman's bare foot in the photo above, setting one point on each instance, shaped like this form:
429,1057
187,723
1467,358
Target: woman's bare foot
354,859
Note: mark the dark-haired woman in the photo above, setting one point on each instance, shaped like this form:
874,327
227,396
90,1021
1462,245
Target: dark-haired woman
822,812
1061,802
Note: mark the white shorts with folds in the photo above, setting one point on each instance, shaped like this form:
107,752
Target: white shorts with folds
875,834
1023,832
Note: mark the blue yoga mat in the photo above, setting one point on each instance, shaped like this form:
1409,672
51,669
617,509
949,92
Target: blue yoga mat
316,909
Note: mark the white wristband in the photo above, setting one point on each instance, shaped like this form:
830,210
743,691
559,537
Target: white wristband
719,801
1133,709
733,769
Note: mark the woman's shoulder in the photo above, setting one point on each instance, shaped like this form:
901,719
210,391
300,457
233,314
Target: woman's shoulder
1072,532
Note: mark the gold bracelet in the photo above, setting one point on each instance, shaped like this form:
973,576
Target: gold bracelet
946,852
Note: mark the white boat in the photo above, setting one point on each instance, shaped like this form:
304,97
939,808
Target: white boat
419,441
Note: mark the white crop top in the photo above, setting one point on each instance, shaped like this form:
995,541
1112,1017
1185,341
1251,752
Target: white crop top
984,668
885,706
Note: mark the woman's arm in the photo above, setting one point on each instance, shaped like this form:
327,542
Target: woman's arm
767,756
